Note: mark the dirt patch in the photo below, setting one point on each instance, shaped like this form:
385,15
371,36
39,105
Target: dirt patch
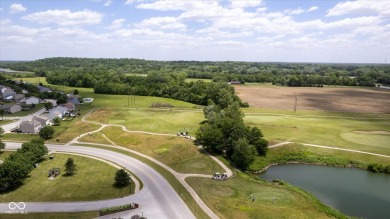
337,99
373,132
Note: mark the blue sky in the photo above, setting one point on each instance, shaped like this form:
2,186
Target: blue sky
354,31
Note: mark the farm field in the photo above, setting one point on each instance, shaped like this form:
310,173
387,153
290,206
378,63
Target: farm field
79,187
336,99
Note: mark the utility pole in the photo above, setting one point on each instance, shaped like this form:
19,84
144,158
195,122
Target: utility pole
128,99
295,104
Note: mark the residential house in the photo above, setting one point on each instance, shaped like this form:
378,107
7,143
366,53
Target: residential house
58,111
75,99
30,127
11,108
42,120
43,89
20,98
234,82
53,101
69,106
7,93
32,100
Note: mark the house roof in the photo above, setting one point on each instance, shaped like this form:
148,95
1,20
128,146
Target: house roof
43,89
9,105
68,105
40,120
59,109
33,123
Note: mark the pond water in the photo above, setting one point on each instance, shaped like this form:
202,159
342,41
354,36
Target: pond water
352,191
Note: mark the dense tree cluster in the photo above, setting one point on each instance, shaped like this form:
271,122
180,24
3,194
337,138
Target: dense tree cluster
18,165
87,72
224,132
169,86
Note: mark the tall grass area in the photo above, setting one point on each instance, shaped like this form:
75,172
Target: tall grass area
178,153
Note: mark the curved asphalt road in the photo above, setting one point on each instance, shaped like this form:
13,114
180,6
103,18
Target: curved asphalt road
157,199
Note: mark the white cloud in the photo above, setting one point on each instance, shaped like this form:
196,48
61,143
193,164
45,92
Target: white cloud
65,17
313,8
354,22
108,3
245,3
360,7
174,5
116,24
162,23
294,11
16,8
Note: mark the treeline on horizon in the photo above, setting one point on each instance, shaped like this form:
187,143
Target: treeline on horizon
166,78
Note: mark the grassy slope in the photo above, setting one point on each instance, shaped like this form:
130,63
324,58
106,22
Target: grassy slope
231,199
80,187
178,153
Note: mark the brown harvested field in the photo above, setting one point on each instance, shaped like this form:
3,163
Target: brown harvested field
337,99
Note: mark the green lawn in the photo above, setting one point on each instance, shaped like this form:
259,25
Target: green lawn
150,120
325,130
231,199
79,187
18,137
306,154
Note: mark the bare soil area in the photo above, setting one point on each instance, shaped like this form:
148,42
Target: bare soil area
337,99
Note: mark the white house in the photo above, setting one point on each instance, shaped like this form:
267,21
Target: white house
32,100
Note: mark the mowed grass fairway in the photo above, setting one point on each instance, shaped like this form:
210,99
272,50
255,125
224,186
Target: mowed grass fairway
93,180
231,199
150,120
336,131
178,153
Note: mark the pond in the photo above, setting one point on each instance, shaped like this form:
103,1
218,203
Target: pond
352,191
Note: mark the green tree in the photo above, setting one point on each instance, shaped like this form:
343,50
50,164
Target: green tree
57,121
70,167
122,178
1,131
46,132
48,105
76,92
2,111
2,145
244,154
